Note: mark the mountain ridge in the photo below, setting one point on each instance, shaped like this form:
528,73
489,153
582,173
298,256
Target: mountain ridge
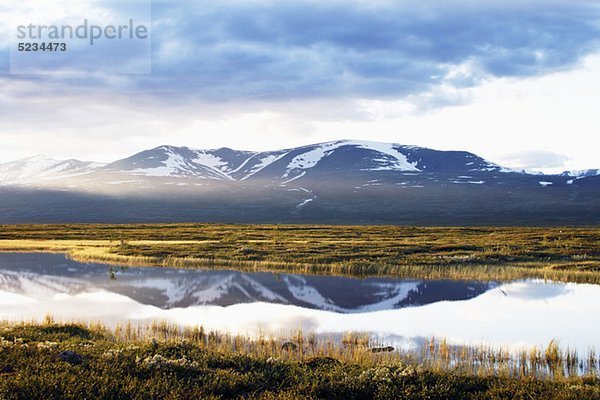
344,181
239,165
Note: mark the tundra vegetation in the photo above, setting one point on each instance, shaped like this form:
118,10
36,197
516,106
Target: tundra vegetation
501,254
75,361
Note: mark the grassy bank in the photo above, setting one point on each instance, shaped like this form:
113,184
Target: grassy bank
562,254
159,361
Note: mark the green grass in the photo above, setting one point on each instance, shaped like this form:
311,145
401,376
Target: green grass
566,254
162,363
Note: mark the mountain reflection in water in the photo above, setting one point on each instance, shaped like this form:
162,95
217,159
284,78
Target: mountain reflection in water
399,312
38,275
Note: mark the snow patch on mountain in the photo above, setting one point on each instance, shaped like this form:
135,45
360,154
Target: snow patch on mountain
311,158
42,168
212,161
392,160
396,160
294,178
182,162
584,173
305,202
467,182
173,166
262,163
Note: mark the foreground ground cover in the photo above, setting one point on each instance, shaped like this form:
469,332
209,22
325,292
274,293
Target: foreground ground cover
75,361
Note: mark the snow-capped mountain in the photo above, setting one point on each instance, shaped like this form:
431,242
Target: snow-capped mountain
38,169
282,166
584,173
348,181
285,166
168,161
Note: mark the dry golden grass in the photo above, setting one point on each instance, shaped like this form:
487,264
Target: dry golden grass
562,254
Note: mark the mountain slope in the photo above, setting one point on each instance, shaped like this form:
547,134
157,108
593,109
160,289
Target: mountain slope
41,168
345,181
585,173
343,157
168,161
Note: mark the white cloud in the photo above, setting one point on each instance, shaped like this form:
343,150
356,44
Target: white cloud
98,117
556,113
535,159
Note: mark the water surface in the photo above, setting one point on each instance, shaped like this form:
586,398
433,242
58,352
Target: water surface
402,312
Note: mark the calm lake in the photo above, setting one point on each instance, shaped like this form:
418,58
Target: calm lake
398,312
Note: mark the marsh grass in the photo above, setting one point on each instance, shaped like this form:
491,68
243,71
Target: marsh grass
499,254
552,362
161,360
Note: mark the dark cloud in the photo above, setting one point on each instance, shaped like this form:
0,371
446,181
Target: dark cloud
274,50
301,48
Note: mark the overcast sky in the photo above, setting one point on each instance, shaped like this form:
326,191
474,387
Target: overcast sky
517,82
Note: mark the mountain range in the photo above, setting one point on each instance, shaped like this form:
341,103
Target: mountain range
346,181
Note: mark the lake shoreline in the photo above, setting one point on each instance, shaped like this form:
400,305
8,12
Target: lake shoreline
499,254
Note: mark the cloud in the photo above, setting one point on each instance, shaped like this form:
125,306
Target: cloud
299,49
266,49
263,74
536,159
